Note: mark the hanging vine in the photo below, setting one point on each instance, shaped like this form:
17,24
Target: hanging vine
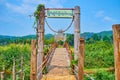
37,14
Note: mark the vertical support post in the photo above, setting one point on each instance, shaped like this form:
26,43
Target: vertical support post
81,59
116,36
40,35
33,72
76,31
3,73
14,69
21,65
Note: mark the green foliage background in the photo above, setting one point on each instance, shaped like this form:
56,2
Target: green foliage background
98,53
9,52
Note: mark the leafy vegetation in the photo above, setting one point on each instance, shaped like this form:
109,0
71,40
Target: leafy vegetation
9,52
101,75
98,53
38,10
37,13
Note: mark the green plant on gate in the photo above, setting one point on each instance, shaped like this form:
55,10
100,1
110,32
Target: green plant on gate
37,14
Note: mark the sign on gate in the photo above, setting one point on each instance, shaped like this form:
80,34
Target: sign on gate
59,13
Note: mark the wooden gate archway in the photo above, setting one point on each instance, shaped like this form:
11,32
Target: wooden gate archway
37,73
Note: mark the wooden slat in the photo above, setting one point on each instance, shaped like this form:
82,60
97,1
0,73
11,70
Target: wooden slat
116,36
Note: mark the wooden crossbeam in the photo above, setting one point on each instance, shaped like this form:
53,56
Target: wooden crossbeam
59,9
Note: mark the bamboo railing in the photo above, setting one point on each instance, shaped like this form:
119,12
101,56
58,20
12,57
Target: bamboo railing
34,69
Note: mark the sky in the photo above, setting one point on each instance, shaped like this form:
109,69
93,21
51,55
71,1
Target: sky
95,15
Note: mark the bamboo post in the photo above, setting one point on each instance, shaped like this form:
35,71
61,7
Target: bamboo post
40,42
116,36
21,65
81,60
33,71
76,31
14,69
3,73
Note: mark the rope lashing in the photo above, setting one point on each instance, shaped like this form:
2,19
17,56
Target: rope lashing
57,31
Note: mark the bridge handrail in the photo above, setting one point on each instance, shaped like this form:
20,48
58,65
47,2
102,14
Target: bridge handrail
52,48
85,73
66,45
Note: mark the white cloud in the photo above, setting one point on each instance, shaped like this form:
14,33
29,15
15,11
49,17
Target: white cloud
28,6
99,14
107,18
48,3
23,9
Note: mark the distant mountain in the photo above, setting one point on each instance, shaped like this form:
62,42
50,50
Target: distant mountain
4,39
87,35
28,37
20,39
48,36
105,33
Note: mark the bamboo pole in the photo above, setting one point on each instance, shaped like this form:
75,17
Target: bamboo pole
116,36
21,65
14,69
3,73
33,71
81,60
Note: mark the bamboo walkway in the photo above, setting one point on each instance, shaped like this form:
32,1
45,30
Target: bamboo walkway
59,66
